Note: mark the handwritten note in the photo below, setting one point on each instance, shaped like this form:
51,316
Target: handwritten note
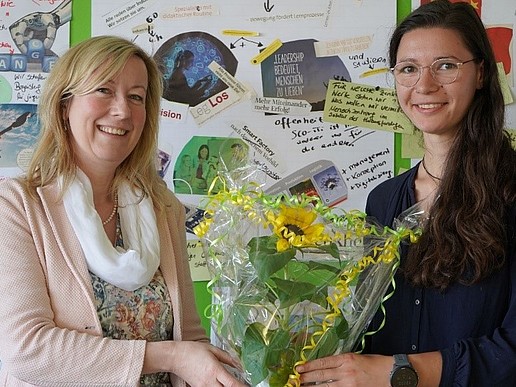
365,106
197,260
25,87
368,170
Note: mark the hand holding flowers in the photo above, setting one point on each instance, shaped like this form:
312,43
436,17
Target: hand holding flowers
293,280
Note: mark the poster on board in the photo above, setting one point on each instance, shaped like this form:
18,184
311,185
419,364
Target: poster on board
255,77
33,35
278,59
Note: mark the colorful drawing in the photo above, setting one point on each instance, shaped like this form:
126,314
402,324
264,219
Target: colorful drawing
184,59
202,158
34,35
19,131
294,72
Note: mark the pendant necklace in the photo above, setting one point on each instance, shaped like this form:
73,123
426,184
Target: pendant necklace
429,174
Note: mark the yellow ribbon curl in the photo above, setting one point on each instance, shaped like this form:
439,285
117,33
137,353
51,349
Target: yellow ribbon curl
252,201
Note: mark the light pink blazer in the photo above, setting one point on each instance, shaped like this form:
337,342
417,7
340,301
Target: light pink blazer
50,334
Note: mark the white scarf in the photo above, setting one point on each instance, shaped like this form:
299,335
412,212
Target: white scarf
129,269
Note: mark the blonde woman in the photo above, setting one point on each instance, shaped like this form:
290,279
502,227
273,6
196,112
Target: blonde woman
95,279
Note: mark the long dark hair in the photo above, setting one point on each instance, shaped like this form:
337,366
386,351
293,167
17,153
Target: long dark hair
465,238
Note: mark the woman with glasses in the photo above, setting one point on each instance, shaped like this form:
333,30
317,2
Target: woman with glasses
452,318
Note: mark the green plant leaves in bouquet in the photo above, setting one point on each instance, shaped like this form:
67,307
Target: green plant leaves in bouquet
265,258
299,293
297,282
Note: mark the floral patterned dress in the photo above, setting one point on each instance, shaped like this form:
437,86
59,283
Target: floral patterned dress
143,314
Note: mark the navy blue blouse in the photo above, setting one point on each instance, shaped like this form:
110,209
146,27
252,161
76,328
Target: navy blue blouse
474,327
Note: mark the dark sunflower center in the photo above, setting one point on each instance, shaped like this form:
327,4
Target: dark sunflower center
294,228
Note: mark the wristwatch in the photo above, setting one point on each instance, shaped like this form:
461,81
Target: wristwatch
403,374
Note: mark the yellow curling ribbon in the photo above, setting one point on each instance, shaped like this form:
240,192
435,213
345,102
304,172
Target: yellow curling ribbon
387,254
250,202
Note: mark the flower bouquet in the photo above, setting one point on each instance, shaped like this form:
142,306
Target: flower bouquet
292,280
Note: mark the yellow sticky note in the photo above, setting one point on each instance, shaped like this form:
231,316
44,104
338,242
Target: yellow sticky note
512,133
197,261
267,51
411,146
504,83
365,106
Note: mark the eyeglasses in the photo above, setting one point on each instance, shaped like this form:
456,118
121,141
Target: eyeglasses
444,71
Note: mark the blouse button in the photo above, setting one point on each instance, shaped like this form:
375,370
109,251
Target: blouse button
414,347
417,302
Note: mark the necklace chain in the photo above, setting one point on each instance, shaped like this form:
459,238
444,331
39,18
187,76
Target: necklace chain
113,213
429,174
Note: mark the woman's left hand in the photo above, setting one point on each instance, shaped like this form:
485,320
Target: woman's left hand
349,369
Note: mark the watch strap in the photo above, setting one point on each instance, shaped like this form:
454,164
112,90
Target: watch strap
401,359
403,374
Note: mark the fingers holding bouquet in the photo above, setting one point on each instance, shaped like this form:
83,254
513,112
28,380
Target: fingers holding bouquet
348,369
202,364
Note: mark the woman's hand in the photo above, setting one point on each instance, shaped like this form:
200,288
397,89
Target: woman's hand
199,364
349,369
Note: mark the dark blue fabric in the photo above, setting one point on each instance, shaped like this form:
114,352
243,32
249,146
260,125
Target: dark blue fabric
474,327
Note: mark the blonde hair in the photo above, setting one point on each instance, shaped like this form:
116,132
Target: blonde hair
79,71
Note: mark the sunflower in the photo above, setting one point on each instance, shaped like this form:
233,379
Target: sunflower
293,226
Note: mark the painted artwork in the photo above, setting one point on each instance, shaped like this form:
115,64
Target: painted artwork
19,132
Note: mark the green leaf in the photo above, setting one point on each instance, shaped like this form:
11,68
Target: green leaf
240,314
335,269
292,292
341,327
327,344
268,352
280,377
278,342
316,273
254,352
331,249
265,258
281,357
